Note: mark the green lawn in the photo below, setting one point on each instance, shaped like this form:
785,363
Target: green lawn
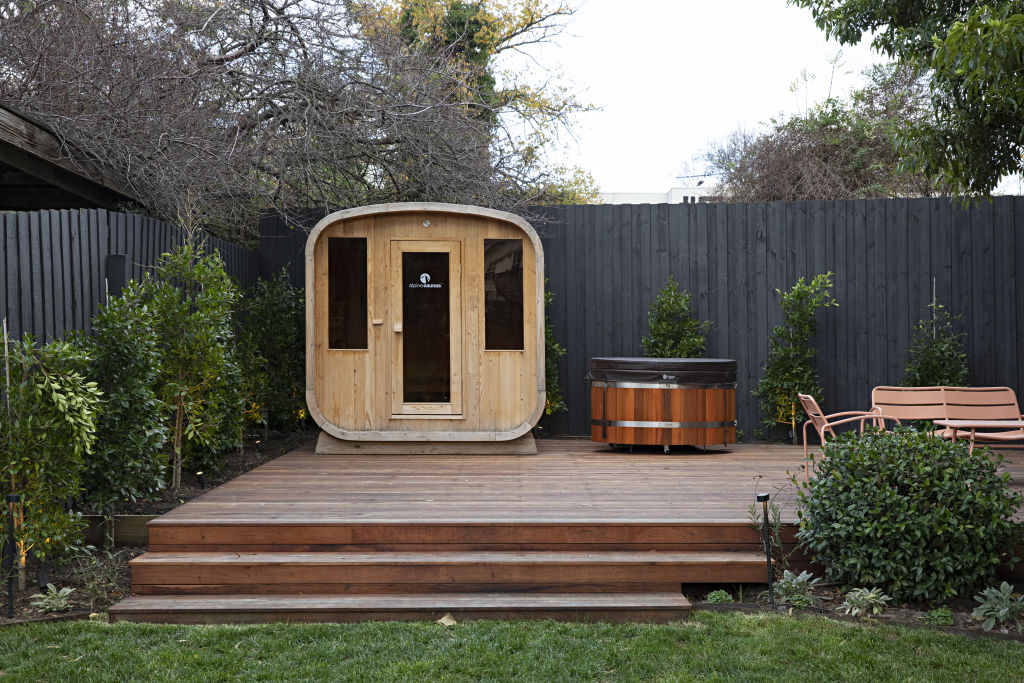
723,646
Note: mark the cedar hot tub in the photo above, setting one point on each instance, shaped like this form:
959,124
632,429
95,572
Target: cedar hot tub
663,401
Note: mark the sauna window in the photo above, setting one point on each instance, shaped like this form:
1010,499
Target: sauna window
346,293
503,295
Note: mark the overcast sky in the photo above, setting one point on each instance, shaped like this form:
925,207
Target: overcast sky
672,76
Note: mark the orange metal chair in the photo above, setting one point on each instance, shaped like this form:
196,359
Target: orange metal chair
823,424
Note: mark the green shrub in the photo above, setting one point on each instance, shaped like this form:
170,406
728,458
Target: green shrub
47,426
861,602
553,351
674,332
272,353
790,367
1000,606
937,356
916,515
795,589
718,596
191,299
127,462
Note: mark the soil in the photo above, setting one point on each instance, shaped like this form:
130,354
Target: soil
256,450
913,616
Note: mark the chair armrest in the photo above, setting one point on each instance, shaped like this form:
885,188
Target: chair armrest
852,412
861,418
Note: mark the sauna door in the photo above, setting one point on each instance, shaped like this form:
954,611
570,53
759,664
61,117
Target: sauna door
426,320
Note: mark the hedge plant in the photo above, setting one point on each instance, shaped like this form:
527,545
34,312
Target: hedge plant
47,427
272,354
674,333
128,462
916,515
554,401
790,367
937,356
190,298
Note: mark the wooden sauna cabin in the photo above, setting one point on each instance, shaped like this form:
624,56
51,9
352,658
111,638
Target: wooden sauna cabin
424,330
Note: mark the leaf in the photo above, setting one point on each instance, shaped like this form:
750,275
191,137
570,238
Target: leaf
446,620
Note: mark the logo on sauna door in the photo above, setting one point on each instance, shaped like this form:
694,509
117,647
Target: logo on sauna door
424,283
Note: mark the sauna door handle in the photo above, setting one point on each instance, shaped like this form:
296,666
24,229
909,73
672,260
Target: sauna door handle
398,328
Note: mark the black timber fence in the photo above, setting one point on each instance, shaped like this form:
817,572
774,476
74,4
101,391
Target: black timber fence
57,266
605,265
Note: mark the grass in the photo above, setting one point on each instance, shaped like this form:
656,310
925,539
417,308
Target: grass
717,646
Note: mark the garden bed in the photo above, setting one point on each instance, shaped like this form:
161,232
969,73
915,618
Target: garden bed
130,533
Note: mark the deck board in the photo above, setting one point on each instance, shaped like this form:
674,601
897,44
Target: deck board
567,481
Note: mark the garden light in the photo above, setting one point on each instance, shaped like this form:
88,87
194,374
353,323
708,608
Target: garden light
763,499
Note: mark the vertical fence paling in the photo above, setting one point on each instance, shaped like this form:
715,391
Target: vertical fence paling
55,263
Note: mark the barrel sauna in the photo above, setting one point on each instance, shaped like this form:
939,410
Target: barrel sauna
424,330
663,401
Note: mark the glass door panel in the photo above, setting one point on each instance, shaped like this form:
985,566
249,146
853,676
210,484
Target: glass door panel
426,322
426,291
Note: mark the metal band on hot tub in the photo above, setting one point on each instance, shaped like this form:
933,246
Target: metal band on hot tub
658,385
640,424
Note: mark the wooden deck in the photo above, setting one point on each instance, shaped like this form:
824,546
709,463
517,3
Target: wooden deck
415,536
567,481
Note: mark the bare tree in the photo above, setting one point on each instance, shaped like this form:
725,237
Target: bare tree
214,111
838,149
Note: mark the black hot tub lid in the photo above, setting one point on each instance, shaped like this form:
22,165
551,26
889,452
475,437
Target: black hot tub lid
663,370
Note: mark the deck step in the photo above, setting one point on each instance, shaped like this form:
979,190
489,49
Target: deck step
199,609
326,572
168,534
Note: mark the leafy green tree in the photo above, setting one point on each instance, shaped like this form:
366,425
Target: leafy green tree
790,367
674,331
937,356
974,52
127,462
190,300
47,427
838,149
271,351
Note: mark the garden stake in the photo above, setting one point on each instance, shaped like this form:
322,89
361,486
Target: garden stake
763,499
12,500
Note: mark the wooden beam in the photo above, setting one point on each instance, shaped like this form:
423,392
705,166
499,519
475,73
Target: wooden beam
32,148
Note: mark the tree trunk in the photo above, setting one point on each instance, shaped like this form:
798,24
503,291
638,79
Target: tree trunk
21,547
179,428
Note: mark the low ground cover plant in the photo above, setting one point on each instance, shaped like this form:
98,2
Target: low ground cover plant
717,596
795,589
864,602
1000,607
941,616
918,516
53,600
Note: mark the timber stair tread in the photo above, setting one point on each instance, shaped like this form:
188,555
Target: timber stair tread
451,557
657,607
193,570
